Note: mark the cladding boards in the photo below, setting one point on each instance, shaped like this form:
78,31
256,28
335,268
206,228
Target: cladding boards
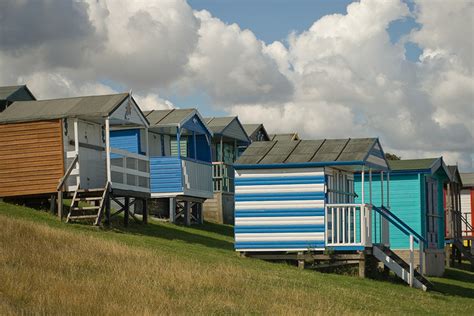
279,209
19,176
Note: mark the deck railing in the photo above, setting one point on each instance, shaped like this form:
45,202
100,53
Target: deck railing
129,171
223,177
348,225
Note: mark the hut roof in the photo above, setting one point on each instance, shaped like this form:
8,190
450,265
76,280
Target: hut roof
429,165
467,179
357,151
7,91
251,129
174,117
229,126
454,174
88,106
287,136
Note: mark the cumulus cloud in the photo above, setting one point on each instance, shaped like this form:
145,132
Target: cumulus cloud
343,77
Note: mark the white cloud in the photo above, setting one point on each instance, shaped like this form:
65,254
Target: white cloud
342,77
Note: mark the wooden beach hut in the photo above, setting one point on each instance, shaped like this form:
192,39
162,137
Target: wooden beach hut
62,147
416,191
10,94
296,200
180,163
256,132
229,138
467,209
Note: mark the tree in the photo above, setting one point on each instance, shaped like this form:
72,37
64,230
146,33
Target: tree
390,156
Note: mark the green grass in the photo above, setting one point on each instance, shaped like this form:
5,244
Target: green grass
50,267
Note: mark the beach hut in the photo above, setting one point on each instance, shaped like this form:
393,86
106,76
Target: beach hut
416,193
288,136
256,132
62,147
229,136
180,163
296,200
467,208
10,94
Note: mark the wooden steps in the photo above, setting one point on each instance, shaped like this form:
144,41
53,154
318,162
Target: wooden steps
78,211
466,251
400,267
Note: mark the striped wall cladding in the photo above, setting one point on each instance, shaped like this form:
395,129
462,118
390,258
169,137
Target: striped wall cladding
280,209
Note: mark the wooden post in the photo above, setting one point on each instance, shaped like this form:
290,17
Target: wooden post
187,213
300,261
362,259
412,263
201,215
145,211
52,205
126,211
60,204
107,150
447,251
172,218
107,209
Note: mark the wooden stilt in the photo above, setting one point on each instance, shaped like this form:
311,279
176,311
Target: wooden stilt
300,261
187,213
145,211
172,210
52,207
200,214
362,269
107,210
126,210
60,205
453,255
447,251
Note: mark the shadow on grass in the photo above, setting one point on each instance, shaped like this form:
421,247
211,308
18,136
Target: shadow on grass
443,285
174,232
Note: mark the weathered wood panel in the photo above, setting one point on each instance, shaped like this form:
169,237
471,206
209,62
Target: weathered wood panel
31,158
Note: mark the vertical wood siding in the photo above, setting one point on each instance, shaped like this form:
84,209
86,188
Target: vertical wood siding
31,158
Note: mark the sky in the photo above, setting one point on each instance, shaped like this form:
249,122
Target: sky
400,70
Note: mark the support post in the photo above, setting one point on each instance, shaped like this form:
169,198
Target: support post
300,261
388,189
126,211
412,268
187,213
145,211
60,204
76,149
172,210
107,209
447,251
381,188
107,150
370,185
222,149
362,262
52,205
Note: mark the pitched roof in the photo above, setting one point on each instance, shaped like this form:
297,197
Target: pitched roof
7,91
467,179
169,117
412,164
174,117
88,106
324,151
251,128
430,165
287,136
454,174
221,126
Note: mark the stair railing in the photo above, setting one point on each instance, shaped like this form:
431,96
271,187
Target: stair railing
413,236
469,228
62,183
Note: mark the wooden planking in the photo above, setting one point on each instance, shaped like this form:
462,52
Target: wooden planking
31,158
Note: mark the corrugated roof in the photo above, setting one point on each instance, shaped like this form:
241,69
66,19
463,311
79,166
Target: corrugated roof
307,151
412,164
467,179
89,106
7,91
168,117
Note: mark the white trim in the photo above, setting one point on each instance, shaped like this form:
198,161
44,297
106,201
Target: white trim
277,249
167,194
129,171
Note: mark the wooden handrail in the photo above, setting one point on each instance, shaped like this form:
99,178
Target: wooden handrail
68,173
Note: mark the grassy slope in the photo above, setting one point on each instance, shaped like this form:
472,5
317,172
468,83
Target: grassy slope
51,267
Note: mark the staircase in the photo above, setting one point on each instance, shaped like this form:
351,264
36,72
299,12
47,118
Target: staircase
466,251
400,267
92,206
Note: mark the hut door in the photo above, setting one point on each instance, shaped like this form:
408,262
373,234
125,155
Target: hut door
432,216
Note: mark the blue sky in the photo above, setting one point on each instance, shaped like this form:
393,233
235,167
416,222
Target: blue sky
274,20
